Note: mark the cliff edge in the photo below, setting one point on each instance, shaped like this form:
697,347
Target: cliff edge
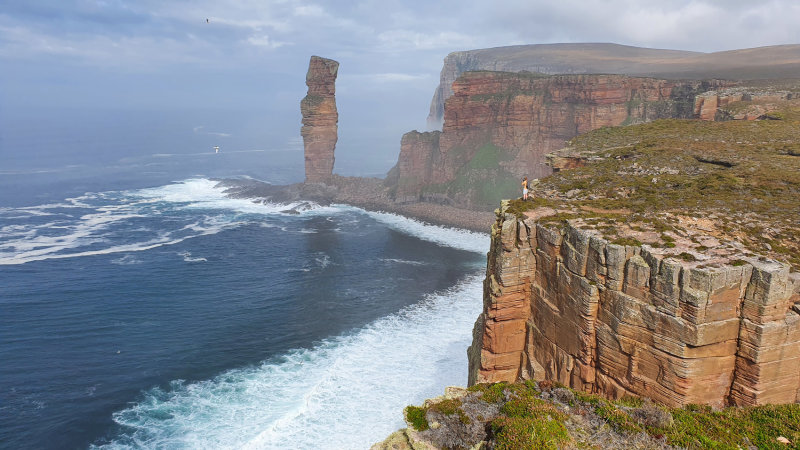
780,61
500,125
662,265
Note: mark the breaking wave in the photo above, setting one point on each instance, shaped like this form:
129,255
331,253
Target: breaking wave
346,392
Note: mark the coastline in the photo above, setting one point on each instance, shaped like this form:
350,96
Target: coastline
366,193
435,214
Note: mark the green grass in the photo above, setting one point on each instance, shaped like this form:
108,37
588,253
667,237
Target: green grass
527,421
449,407
416,416
627,241
480,180
491,393
737,169
488,157
701,427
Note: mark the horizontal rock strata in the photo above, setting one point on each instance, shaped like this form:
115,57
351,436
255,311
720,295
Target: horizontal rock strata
516,119
563,304
320,119
712,105
781,61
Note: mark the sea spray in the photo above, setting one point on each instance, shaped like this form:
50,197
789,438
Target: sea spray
346,392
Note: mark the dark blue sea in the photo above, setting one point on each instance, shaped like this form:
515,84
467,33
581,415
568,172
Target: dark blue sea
140,307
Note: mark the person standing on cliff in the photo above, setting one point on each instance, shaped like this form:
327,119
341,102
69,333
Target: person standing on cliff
524,188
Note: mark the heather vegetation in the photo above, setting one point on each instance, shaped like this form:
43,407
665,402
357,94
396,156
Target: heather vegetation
545,415
663,182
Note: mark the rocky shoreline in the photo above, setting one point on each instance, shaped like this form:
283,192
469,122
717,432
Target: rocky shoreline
366,193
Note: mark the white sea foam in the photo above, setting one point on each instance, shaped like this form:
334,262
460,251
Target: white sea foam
346,393
98,230
450,237
187,256
126,260
322,259
109,219
403,261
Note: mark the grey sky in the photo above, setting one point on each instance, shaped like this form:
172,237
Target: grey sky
254,53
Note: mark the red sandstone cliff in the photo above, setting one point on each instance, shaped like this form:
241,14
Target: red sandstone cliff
499,126
320,119
780,61
564,304
738,103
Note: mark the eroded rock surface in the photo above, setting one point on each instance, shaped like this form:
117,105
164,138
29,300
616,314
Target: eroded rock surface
499,126
564,304
739,103
320,119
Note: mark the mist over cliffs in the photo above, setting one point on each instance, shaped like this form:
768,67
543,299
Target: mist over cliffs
781,61
498,127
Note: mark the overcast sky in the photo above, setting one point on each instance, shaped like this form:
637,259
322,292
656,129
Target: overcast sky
254,53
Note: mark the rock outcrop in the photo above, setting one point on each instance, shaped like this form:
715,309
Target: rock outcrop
564,304
738,103
320,119
499,126
762,63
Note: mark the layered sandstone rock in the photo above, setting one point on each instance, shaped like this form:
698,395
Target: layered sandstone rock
414,165
564,304
738,103
507,123
532,116
772,62
320,119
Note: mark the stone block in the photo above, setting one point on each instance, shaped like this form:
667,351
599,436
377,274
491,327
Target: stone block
770,334
664,285
637,278
515,267
548,240
508,233
769,284
596,270
575,250
503,361
504,337
675,347
616,256
530,231
509,306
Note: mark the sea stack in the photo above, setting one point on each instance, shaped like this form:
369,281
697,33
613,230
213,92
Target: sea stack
320,119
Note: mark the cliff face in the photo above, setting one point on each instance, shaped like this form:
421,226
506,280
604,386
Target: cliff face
499,125
739,103
320,119
564,304
762,63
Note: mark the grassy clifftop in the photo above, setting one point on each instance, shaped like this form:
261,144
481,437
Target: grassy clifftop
689,187
546,416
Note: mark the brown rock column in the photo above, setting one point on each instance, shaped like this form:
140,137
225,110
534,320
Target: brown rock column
320,119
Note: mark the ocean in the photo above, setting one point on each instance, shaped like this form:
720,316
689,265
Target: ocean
142,308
